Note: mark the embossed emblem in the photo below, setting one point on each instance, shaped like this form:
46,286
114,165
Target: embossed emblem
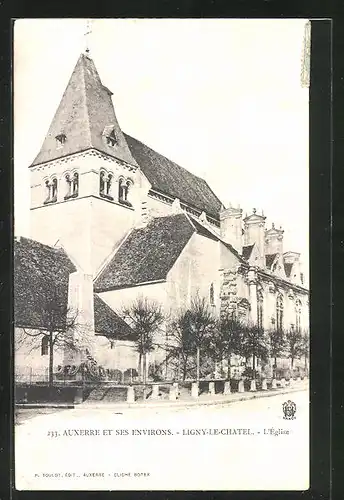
289,410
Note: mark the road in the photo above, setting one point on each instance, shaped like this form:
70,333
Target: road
243,445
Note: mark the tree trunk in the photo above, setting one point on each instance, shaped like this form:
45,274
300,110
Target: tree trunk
178,368
254,366
144,359
51,360
197,363
229,367
140,367
292,362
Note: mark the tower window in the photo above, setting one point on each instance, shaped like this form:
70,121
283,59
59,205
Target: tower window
72,186
45,346
123,192
51,191
105,184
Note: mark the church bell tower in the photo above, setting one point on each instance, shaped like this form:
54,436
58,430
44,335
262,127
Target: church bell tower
86,187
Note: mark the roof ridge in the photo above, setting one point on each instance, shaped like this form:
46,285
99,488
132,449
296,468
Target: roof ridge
83,90
168,159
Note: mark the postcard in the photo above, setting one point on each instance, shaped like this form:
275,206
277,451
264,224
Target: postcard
161,283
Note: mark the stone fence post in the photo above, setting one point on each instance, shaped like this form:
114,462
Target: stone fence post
227,387
194,390
130,394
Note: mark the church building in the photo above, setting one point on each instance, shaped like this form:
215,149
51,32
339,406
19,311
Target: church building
113,220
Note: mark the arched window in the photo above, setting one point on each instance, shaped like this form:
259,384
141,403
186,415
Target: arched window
105,182
47,188
123,191
54,189
75,184
298,307
260,305
279,312
45,346
211,295
101,183
109,183
51,190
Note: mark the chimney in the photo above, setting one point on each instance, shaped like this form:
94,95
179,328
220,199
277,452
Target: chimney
231,227
274,240
81,312
254,227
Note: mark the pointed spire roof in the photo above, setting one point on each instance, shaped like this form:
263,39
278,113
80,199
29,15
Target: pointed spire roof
85,119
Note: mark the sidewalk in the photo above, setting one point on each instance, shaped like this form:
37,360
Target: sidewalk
203,400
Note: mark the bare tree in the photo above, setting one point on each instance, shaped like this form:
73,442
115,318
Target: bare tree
226,340
145,318
305,347
182,348
254,344
47,316
294,344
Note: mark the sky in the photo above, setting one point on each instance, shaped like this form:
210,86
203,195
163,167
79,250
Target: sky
222,98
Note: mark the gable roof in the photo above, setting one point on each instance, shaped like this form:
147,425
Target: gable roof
169,178
147,254
247,251
202,230
41,273
108,323
84,114
269,259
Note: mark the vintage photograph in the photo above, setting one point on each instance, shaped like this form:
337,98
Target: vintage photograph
161,280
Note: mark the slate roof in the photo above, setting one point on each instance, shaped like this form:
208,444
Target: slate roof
269,259
85,110
147,254
287,269
171,179
108,323
246,251
41,273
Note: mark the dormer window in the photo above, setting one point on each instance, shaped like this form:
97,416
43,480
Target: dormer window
60,140
111,139
110,136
